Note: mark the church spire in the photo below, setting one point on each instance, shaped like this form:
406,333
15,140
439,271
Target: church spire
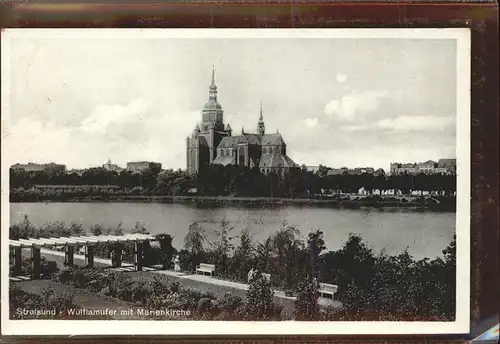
261,128
213,77
213,88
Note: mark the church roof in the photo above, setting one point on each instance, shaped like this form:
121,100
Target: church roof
212,105
272,139
229,141
225,160
252,139
276,160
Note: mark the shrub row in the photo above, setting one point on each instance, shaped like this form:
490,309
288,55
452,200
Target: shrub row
49,304
156,294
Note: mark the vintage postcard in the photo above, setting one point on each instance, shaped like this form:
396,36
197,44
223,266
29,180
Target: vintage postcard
232,181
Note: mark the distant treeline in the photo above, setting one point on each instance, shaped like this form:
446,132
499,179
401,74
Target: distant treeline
217,180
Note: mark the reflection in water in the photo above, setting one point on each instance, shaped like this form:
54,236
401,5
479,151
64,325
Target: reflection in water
424,233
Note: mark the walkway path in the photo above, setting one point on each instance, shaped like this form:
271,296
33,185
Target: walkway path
191,277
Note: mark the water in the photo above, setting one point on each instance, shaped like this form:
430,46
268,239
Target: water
424,233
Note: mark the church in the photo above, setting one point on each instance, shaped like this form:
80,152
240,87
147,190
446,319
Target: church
214,143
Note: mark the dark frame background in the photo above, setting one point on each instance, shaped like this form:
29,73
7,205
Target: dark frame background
480,16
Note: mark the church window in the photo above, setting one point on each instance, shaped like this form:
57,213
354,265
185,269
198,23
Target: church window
241,157
222,152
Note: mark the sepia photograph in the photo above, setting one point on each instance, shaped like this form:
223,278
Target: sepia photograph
232,181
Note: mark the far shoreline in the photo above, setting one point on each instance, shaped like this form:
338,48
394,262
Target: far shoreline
416,203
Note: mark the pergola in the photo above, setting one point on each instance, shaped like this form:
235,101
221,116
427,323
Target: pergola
69,244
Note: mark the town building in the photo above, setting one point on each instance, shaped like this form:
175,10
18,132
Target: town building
313,169
141,166
50,168
353,171
443,166
212,142
77,171
109,166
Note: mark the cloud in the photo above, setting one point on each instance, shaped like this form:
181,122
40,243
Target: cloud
353,128
123,133
355,104
311,122
341,78
144,106
416,123
105,115
36,141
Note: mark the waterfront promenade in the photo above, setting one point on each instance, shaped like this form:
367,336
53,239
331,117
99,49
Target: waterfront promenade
187,279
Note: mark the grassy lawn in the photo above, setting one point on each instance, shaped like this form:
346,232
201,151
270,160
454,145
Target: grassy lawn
82,297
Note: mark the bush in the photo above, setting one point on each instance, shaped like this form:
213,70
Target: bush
48,300
156,294
260,304
48,268
230,307
64,276
306,304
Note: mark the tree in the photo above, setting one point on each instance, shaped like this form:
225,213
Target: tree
450,252
118,230
139,228
306,304
166,248
76,229
264,255
96,230
352,264
287,248
260,304
194,243
243,254
449,276
24,230
322,171
315,245
222,246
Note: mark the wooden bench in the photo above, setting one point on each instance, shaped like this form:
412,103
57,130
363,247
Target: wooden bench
329,289
205,268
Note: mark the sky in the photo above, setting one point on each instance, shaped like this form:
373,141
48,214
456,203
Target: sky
336,102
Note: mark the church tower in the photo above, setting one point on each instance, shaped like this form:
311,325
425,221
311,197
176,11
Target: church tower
202,145
212,114
261,128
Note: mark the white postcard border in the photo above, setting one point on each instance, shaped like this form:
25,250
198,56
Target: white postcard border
116,327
